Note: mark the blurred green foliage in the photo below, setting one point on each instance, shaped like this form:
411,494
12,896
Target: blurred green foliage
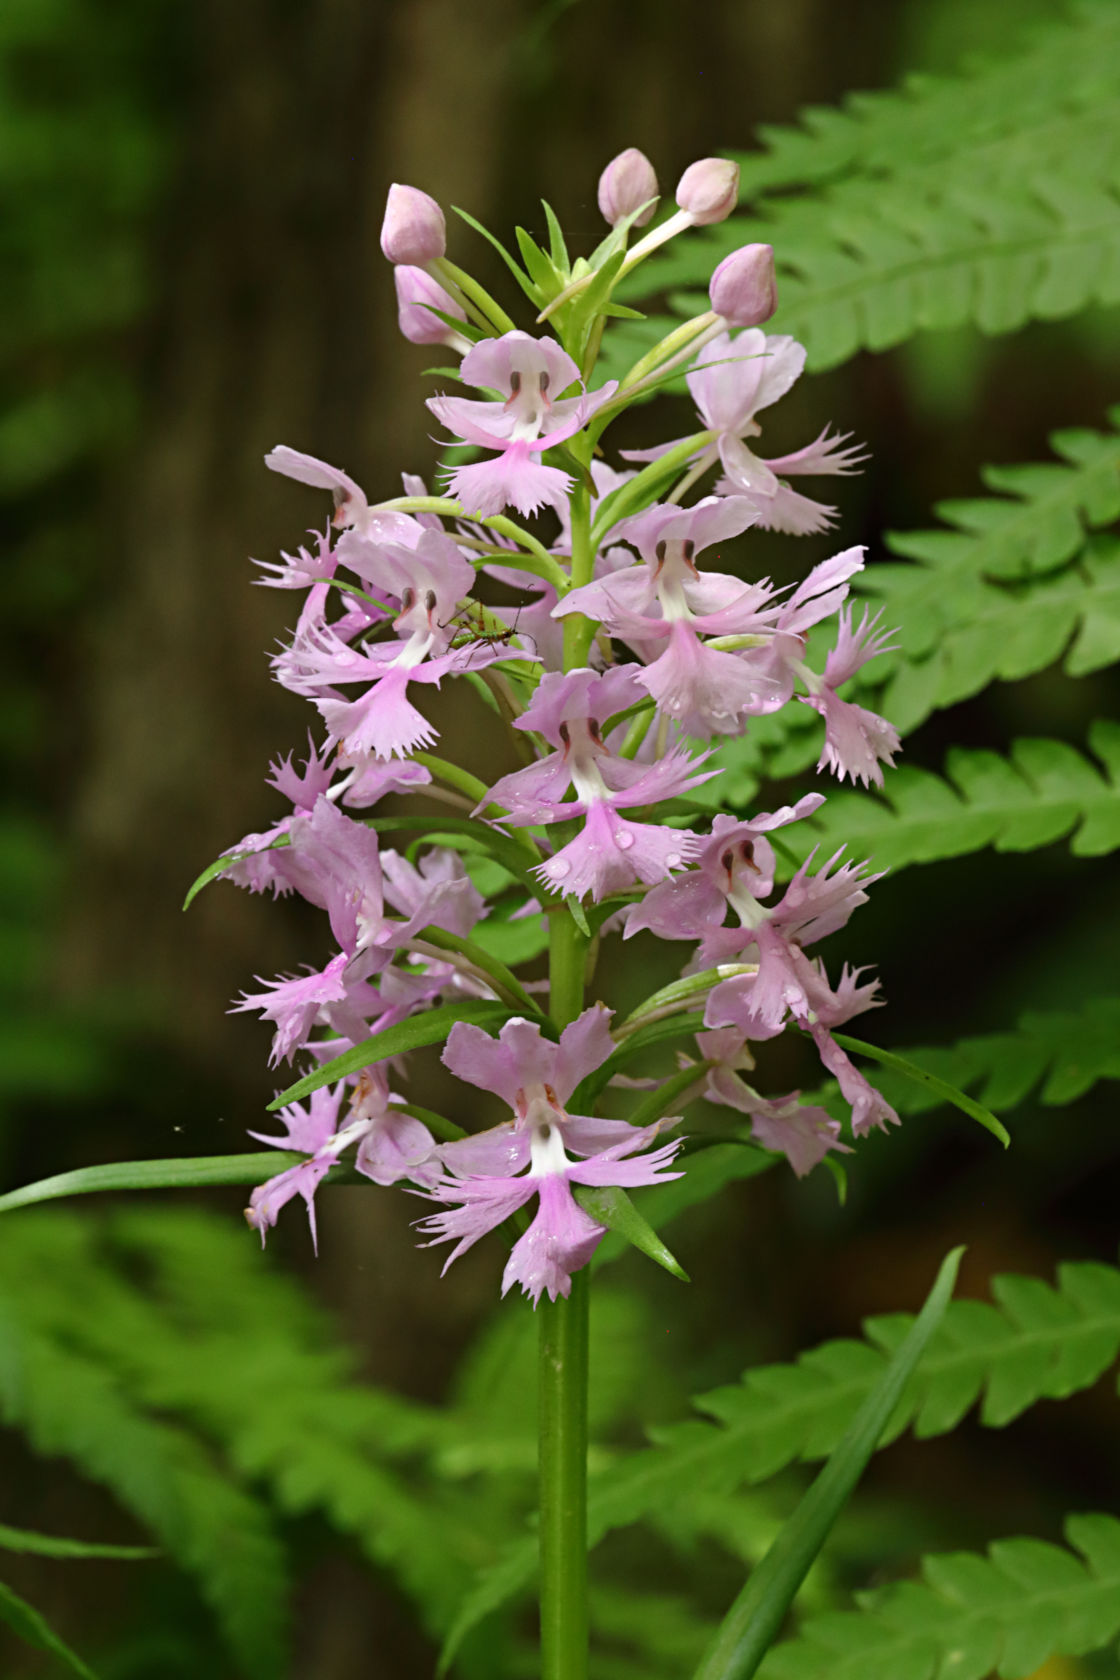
205,1389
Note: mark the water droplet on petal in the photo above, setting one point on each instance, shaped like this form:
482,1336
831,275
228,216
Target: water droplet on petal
624,839
559,868
673,861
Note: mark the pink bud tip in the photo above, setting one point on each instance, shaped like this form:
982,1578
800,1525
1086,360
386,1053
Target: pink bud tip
743,289
417,296
627,182
414,230
708,191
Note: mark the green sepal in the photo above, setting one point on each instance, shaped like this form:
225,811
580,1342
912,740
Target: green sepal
750,1626
189,1173
34,1629
546,281
612,1207
910,1070
595,297
50,1545
428,1028
576,911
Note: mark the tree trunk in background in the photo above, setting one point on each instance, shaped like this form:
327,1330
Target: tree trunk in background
278,325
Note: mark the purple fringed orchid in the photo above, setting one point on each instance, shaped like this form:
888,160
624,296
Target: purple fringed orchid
733,378
530,374
491,1175
610,853
803,1132
335,863
857,742
428,580
735,870
351,508
667,602
391,1146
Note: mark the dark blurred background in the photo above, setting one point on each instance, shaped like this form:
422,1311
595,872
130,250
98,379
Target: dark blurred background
190,274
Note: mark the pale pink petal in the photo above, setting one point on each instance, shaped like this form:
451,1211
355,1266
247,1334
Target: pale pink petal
561,1239
512,479
868,1107
398,1146
610,854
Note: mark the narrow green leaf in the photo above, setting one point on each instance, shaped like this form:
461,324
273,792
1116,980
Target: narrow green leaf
418,1030
657,1104
536,261
47,1545
613,1208
30,1626
518,273
576,911
503,980
910,1070
751,1624
211,873
557,245
190,1173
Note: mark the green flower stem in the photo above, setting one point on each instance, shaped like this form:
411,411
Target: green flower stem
432,940
679,994
563,1323
636,733
579,631
493,315
563,1483
638,492
476,791
671,350
453,775
452,509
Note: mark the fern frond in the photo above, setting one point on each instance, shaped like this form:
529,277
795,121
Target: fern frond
1038,1341
1042,792
68,1404
1009,633
232,1347
1006,1613
1016,584
1054,1056
1053,80
979,605
1022,224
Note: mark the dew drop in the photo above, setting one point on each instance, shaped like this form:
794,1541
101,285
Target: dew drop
624,840
673,861
559,869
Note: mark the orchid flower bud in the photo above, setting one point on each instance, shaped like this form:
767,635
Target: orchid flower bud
743,288
413,230
418,295
627,182
708,191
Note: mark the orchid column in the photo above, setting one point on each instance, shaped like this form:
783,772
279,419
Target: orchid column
633,656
